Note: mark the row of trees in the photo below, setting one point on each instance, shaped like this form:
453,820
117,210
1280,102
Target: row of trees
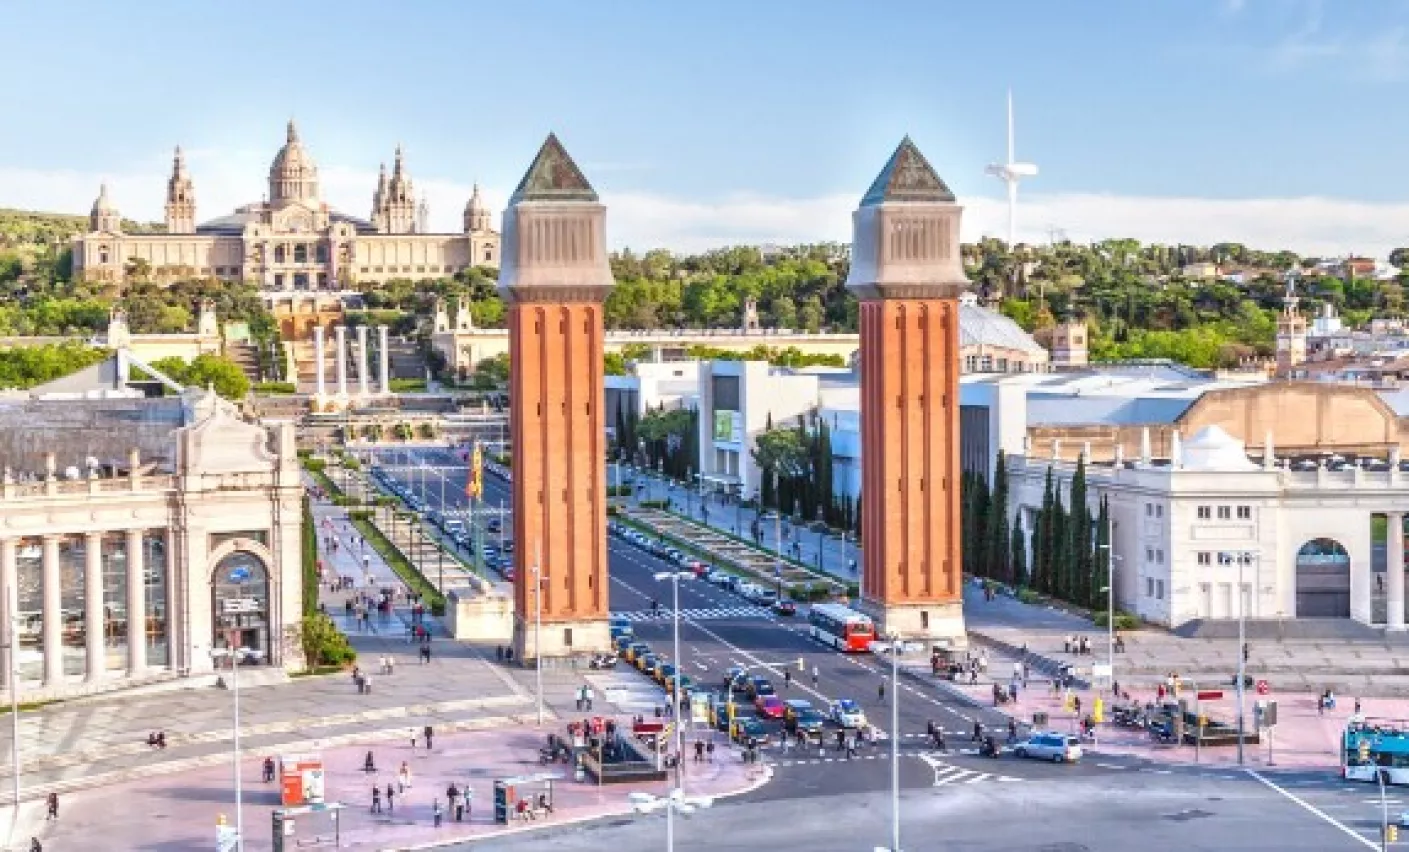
798,478
1069,546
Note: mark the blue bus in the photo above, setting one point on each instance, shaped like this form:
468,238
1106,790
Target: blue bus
1372,746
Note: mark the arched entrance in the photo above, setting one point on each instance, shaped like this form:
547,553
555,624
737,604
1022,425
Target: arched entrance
240,603
1322,580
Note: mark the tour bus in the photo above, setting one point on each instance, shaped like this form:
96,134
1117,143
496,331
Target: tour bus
1372,746
842,628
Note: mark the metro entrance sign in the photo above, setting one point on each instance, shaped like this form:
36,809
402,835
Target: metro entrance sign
1209,694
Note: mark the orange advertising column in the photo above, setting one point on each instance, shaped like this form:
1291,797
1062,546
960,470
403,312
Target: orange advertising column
554,279
907,274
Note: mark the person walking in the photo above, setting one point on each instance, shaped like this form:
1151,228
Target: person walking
376,799
437,812
427,734
403,775
699,751
51,806
881,691
390,798
709,751
815,675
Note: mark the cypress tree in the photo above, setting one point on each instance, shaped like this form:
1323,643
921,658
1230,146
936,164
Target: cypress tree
997,542
856,516
621,435
1061,551
1045,539
1102,557
1079,533
966,522
1017,559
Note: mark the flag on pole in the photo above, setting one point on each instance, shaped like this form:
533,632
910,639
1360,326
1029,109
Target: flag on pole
474,486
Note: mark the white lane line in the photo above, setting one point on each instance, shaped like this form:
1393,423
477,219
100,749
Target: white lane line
1312,809
982,776
1110,766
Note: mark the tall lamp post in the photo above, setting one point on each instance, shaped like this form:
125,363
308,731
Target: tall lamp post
675,577
895,643
537,632
1242,558
235,655
12,676
675,800
1111,560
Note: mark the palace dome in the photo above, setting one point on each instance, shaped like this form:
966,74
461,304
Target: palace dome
292,175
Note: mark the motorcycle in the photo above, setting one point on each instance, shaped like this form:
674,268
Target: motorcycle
989,748
603,661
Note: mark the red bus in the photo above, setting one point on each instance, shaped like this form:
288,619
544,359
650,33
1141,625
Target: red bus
842,628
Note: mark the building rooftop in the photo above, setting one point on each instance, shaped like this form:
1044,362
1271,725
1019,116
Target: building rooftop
234,223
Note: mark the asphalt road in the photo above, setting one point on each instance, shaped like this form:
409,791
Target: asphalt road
951,801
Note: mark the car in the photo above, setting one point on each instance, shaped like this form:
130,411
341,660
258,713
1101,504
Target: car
735,678
1049,745
769,706
687,685
647,663
794,707
494,525
635,650
664,673
758,686
622,643
621,627
719,715
747,728
847,713
717,577
810,722
785,607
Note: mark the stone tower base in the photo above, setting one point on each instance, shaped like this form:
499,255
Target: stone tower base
587,637
935,624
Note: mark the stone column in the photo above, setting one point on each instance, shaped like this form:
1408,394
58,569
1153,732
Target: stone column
341,332
9,591
362,359
93,625
136,606
53,614
1394,564
384,359
319,360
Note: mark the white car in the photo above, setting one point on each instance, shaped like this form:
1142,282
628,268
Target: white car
1056,747
847,713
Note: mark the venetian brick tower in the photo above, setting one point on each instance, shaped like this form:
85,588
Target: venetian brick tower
553,278
907,273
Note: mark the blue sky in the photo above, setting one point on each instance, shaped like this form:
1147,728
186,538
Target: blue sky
735,120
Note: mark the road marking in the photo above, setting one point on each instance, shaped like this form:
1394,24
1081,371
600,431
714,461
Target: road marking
1109,766
1310,808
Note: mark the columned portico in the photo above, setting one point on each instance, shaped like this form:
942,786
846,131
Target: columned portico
1394,565
136,606
93,621
53,637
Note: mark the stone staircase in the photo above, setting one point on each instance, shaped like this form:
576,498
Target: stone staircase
243,353
406,360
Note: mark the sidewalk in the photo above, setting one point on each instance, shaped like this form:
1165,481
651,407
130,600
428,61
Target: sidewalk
180,811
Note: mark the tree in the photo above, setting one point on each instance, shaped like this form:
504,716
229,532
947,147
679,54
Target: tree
997,541
613,364
1017,558
217,371
1045,538
1079,538
492,373
810,314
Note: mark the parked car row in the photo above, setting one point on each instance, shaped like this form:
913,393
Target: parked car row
401,492
749,591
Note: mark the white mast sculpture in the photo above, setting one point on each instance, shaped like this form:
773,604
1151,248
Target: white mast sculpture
1010,173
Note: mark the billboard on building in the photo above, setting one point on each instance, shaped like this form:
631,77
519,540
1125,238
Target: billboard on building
728,426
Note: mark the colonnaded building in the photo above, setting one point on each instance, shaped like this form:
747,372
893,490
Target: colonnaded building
291,241
142,538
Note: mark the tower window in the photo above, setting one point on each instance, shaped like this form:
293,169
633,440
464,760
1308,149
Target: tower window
279,254
300,254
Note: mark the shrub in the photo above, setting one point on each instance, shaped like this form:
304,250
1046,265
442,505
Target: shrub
1028,596
1123,620
313,465
652,504
274,388
408,385
323,644
426,430
618,490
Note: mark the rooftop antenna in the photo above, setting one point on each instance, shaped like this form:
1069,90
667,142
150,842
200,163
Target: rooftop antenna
1010,172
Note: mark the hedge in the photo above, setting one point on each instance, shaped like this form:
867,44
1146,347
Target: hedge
409,574
1123,620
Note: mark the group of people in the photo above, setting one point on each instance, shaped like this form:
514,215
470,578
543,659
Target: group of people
1079,645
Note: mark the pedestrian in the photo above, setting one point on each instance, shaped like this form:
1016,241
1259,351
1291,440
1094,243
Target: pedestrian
1076,704
452,796
390,798
1357,706
376,799
841,740
815,675
35,845
787,678
881,691
709,751
268,769
403,777
369,764
437,812
699,751
1066,644
427,734
52,803
1013,691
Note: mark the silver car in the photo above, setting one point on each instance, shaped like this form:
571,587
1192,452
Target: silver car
1058,748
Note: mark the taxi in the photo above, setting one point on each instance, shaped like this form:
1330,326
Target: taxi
793,708
847,713
745,728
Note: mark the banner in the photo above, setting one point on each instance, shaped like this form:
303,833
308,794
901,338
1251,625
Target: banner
474,486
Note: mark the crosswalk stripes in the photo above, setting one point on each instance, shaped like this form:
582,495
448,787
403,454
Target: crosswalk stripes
946,774
709,614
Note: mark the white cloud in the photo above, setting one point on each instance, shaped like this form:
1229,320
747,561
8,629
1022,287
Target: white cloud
224,180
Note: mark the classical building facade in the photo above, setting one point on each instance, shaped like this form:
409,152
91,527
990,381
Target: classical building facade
292,241
136,535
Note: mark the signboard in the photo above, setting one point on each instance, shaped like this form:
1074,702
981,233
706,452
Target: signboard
239,606
239,574
301,780
699,709
1209,694
225,838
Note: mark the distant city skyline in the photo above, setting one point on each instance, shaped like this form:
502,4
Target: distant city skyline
1267,123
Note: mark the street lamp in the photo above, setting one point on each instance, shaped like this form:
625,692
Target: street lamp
12,675
1242,558
675,577
235,655
645,803
1111,560
537,631
895,643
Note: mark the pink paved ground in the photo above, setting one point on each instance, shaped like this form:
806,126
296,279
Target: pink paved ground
179,812
1303,738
